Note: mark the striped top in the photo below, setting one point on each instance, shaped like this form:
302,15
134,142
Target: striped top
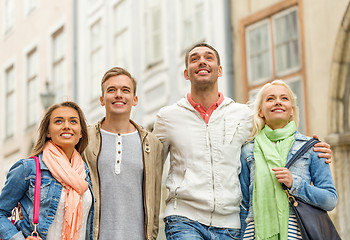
293,230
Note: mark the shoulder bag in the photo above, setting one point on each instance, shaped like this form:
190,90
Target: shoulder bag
314,223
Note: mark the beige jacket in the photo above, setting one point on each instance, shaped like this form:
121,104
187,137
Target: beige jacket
153,167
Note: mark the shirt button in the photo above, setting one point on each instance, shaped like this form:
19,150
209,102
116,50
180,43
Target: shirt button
118,161
118,143
118,152
207,114
198,106
118,134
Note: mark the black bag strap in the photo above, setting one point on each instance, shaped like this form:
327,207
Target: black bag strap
302,151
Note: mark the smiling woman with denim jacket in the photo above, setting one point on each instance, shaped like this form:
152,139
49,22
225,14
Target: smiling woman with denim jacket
265,206
66,209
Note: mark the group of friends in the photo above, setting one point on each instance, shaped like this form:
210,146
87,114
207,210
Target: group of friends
227,160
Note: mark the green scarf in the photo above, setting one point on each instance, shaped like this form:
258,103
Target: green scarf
270,203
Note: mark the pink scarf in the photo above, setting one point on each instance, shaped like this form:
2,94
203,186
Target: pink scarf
72,176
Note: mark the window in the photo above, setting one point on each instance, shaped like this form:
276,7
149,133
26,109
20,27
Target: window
96,62
153,34
8,15
58,64
32,88
259,52
30,5
9,102
270,57
192,22
121,35
273,51
287,49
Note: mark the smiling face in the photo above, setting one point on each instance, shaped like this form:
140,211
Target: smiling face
277,107
118,95
65,129
203,67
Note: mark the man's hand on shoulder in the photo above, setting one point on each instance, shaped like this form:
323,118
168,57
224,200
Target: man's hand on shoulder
324,149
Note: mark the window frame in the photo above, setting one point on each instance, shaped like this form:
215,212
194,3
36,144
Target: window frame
58,84
9,93
31,109
95,51
8,16
121,33
151,32
271,13
193,7
30,6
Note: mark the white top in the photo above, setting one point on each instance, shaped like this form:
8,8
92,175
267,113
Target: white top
55,230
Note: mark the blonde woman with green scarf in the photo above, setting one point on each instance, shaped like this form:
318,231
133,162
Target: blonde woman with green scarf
265,207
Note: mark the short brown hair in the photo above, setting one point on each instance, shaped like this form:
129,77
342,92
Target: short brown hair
44,128
116,71
201,45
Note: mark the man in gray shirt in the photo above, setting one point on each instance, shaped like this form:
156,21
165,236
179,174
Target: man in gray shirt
125,163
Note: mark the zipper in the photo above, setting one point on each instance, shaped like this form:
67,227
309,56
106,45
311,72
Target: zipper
175,198
212,173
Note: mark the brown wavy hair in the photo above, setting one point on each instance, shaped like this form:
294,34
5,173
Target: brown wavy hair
44,128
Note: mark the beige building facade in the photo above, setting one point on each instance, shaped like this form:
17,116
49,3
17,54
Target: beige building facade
305,43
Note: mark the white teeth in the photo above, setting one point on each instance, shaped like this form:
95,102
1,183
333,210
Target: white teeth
203,71
119,103
66,135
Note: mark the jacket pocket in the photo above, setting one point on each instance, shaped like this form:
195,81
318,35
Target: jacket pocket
44,188
175,187
230,130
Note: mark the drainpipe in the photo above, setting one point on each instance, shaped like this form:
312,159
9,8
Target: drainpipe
75,50
229,75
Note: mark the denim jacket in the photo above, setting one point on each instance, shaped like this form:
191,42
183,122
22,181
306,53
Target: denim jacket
19,187
308,169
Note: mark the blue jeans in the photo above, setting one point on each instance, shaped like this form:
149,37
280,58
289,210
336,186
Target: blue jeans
177,227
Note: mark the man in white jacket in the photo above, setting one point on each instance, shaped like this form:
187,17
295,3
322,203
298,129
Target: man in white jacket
204,133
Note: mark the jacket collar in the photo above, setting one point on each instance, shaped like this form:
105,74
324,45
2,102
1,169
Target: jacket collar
300,137
42,164
183,102
140,129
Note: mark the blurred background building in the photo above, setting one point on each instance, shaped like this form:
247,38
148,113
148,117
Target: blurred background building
52,51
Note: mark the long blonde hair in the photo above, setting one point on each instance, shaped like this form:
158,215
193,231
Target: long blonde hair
256,105
44,128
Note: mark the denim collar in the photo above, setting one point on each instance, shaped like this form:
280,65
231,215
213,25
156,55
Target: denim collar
42,164
300,137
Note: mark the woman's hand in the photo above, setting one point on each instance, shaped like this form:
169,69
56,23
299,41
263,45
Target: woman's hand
283,175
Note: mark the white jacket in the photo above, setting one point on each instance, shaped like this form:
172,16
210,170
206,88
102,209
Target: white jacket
203,179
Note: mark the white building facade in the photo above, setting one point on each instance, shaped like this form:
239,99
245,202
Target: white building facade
149,38
36,47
